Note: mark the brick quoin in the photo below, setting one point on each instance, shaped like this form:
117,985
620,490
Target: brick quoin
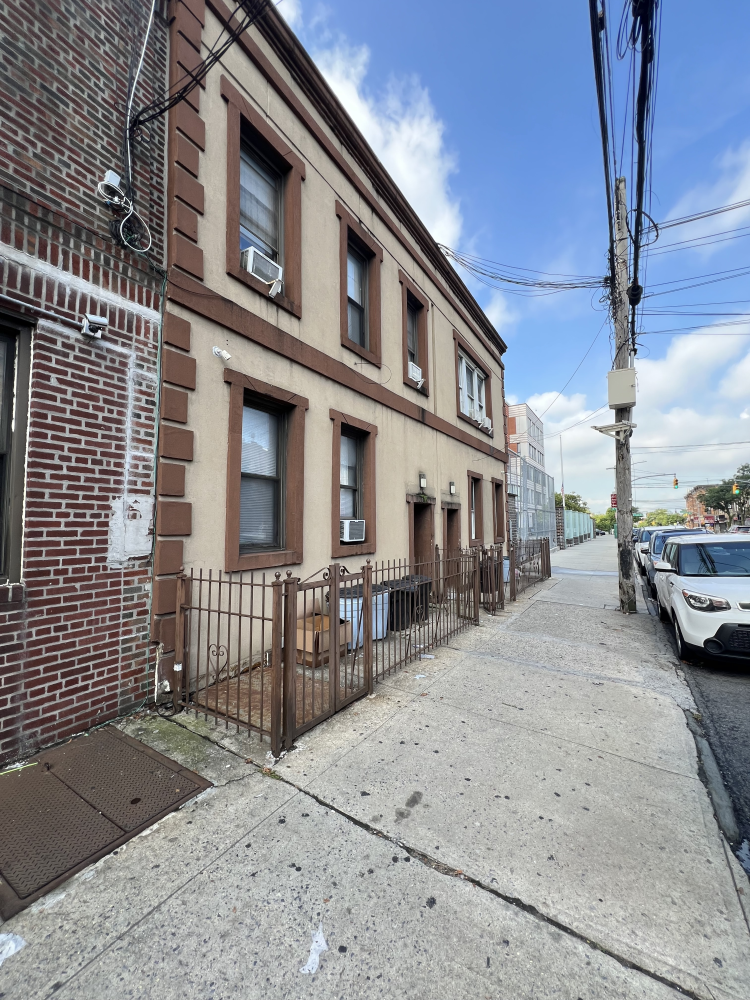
74,629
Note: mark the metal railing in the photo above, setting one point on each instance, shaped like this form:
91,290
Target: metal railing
278,657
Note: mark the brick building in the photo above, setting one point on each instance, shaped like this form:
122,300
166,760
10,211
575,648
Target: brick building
78,428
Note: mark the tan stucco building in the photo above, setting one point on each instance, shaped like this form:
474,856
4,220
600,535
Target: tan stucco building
367,388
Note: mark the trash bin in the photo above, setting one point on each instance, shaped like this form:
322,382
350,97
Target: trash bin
350,609
422,585
402,599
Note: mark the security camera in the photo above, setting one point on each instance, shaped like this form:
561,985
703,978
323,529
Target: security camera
275,289
224,355
92,326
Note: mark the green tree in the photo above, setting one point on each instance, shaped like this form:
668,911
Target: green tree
573,501
606,522
722,498
660,517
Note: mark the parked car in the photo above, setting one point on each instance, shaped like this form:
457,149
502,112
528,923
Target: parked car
655,547
640,549
703,588
743,529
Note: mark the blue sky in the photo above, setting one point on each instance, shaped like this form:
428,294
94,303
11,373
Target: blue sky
485,114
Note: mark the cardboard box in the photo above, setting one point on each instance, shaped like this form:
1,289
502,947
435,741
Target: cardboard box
314,636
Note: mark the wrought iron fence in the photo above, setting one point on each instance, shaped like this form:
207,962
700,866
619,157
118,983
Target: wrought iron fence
278,657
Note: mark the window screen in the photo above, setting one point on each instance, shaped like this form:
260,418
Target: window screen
356,292
260,489
349,477
260,205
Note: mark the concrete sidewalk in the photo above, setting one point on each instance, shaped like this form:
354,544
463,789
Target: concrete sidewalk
520,816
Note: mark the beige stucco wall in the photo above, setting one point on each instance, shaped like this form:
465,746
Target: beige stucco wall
404,446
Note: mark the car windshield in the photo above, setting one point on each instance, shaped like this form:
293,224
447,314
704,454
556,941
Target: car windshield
646,535
715,559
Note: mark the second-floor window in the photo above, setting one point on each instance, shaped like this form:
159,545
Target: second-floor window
471,388
412,334
260,205
356,292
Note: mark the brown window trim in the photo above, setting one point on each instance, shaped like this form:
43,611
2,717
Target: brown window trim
292,169
369,433
478,512
295,407
458,341
410,291
498,512
353,232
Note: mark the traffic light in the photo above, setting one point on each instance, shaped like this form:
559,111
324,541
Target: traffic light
675,482
735,490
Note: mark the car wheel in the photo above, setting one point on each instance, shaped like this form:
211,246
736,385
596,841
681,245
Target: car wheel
682,650
663,613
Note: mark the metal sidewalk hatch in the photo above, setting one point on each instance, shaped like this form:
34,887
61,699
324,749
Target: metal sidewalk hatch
71,805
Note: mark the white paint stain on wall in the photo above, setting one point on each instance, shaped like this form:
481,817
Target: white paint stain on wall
130,529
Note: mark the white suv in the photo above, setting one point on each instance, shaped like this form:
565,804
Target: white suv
703,587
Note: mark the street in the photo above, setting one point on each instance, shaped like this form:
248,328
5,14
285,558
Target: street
521,815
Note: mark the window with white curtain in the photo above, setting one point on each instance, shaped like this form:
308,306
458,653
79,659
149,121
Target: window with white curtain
350,498
260,490
471,388
412,334
260,205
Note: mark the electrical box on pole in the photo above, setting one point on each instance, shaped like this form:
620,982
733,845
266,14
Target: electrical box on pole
621,388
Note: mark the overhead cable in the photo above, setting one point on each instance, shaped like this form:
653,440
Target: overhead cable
489,271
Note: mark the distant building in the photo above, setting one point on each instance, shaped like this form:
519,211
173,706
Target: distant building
700,516
531,492
526,434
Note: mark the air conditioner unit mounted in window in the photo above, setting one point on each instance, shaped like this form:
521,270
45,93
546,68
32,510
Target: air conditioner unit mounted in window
352,530
487,424
263,268
473,415
415,373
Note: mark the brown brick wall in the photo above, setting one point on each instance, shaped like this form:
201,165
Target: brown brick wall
74,634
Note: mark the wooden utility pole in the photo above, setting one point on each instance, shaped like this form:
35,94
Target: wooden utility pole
620,306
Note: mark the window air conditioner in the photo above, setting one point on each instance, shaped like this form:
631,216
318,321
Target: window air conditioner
414,372
352,530
486,424
473,415
263,268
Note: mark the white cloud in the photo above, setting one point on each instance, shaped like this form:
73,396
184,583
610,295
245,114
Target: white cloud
499,312
291,11
736,382
732,186
405,132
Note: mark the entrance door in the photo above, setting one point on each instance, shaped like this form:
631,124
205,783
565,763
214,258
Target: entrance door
452,530
424,536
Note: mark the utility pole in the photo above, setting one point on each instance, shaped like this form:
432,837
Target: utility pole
562,491
620,305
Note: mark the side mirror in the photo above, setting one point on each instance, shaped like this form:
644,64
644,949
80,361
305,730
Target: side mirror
663,567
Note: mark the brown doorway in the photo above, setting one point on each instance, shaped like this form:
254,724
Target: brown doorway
452,537
424,535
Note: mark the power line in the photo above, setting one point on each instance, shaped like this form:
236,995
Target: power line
576,371
685,219
581,421
686,447
493,273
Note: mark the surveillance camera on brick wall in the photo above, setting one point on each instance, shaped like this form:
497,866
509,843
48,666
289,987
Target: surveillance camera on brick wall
94,326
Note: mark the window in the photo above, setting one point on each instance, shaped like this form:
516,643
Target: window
412,343
360,257
353,482
15,359
350,466
471,388
261,507
476,515
264,199
414,309
474,388
260,205
265,475
356,293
